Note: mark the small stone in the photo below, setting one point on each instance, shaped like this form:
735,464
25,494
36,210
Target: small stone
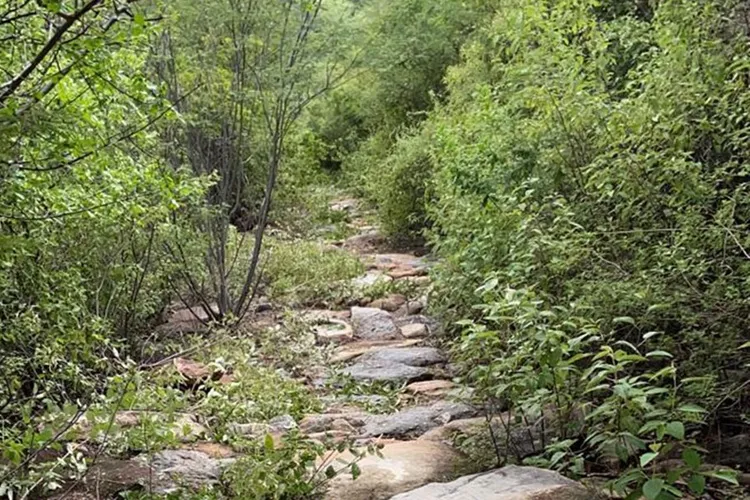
322,422
192,371
282,423
213,450
398,274
414,330
334,330
391,303
374,324
370,279
345,205
431,387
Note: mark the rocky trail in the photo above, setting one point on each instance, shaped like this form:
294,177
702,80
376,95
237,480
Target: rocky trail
389,340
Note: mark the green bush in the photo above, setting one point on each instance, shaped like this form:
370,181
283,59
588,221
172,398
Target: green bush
403,192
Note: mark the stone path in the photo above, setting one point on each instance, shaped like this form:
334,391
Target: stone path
387,340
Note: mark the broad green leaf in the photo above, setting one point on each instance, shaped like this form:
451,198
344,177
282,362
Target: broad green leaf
646,458
691,458
727,475
652,488
675,429
697,484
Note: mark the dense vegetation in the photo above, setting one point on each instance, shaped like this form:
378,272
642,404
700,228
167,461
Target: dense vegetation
578,168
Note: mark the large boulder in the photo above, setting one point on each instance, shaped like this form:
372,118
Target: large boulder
509,483
164,472
412,356
415,421
405,465
374,324
182,469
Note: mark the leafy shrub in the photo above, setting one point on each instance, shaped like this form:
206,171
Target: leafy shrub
404,187
296,468
304,271
558,365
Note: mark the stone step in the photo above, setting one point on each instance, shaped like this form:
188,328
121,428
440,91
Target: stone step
508,483
405,465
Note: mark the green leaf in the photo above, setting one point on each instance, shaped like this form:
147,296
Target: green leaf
646,458
727,475
692,408
356,471
697,484
675,429
268,443
330,472
624,319
652,488
691,458
658,354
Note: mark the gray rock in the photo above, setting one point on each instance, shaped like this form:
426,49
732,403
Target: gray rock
404,465
509,483
282,423
368,371
277,425
371,278
373,399
433,326
323,422
414,330
412,356
176,469
374,324
415,421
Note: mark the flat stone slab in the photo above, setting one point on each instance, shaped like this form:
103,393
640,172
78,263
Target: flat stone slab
415,421
333,330
405,465
374,324
383,371
432,388
508,483
411,356
176,469
323,422
356,349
